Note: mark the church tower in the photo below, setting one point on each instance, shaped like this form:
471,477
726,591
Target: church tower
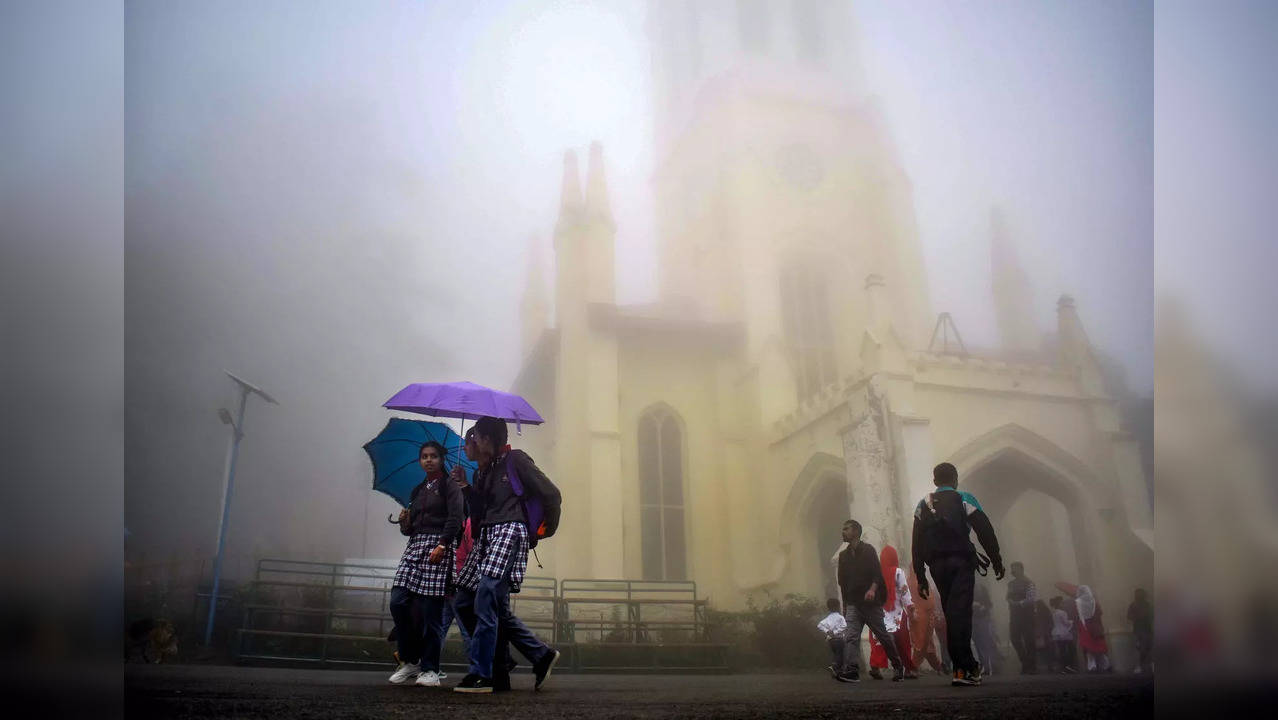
778,190
1013,300
587,451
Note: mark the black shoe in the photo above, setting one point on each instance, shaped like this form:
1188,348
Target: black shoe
898,674
975,676
543,667
851,676
834,672
501,684
473,683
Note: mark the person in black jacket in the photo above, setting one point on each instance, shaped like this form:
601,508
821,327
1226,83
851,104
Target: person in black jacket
943,521
496,565
431,521
1022,601
864,592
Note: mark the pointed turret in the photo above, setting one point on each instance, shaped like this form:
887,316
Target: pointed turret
876,298
601,232
881,347
570,203
1075,348
597,205
569,263
1013,300
535,302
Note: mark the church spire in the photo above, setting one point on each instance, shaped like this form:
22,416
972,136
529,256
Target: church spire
600,232
1013,299
597,204
570,192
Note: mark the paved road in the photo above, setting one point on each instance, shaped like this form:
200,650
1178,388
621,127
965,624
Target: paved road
282,694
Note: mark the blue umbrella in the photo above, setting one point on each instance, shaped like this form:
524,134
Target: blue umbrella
394,452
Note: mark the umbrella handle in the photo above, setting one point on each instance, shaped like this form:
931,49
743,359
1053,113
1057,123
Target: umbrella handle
461,445
392,519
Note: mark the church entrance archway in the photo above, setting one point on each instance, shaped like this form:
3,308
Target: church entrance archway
1040,508
826,511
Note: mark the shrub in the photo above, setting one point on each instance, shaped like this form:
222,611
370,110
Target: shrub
772,632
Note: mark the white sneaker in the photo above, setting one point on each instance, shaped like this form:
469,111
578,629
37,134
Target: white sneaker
430,678
443,675
406,673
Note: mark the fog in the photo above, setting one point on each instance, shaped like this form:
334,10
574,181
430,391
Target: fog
332,200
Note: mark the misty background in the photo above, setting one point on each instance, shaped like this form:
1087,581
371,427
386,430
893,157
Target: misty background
335,199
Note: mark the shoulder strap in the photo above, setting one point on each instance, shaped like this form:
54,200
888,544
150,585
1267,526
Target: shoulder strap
515,483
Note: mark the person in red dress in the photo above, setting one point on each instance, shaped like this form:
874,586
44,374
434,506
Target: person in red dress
1091,630
896,614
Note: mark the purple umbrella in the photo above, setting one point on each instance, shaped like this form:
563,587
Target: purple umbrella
463,400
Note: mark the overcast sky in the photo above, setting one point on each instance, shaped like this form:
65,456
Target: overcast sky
335,198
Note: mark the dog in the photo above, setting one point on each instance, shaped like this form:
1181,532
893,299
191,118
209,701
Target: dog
153,639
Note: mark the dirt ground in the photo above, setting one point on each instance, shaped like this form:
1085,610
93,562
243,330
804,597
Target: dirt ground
283,694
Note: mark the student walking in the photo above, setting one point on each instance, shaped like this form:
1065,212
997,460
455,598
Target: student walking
943,521
498,561
1063,637
983,630
431,521
1044,649
464,544
1141,616
1021,597
833,627
461,550
864,592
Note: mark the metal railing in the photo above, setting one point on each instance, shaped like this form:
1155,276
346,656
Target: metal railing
338,614
637,625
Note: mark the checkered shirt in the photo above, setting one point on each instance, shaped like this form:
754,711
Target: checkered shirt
416,574
501,549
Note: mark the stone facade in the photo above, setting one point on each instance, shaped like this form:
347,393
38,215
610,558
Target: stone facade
795,404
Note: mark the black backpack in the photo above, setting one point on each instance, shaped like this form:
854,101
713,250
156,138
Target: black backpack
945,531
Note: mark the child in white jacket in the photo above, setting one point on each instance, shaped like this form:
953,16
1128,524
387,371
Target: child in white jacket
1063,636
833,626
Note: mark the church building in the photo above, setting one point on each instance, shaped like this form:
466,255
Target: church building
792,372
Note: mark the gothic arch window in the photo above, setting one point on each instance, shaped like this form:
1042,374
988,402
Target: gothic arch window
805,317
661,501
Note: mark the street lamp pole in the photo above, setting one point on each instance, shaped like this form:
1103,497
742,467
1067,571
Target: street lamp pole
237,433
